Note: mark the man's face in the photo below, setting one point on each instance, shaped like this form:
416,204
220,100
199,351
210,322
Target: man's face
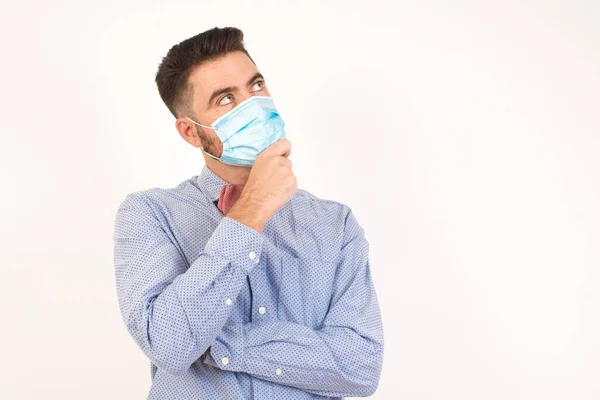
218,87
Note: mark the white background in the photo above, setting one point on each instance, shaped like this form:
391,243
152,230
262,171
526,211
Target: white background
465,136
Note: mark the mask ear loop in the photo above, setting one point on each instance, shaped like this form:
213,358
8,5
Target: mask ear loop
204,126
210,127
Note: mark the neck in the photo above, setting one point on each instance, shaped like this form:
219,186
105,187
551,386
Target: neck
229,173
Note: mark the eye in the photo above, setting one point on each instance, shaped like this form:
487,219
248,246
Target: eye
258,85
223,101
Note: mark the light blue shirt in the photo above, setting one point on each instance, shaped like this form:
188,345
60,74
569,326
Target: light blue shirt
290,313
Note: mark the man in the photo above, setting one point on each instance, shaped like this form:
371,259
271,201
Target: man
236,284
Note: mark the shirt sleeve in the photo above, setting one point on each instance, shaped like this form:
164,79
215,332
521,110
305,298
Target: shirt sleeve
174,310
342,358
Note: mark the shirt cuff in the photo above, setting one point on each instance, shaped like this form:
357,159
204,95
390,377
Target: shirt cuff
227,352
237,243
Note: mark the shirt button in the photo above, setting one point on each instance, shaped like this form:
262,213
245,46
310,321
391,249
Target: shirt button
225,360
252,255
257,260
228,302
262,310
278,371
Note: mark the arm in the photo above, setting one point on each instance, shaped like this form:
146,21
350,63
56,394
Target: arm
342,358
174,310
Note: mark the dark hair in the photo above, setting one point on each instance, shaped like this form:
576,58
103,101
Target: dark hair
176,67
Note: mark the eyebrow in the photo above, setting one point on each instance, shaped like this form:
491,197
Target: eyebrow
219,92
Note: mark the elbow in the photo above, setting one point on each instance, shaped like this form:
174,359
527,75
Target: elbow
174,363
174,360
365,389
369,386
360,380
170,353
362,375
171,366
369,389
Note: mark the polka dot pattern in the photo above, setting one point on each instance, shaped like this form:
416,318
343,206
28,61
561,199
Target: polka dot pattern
224,312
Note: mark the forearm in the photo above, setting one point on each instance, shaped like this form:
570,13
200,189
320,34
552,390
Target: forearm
176,326
173,312
333,361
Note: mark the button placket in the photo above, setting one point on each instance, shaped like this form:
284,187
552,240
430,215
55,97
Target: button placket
260,304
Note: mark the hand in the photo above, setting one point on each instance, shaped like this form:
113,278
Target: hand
270,185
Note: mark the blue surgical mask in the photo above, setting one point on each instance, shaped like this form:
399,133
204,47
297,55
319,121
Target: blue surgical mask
247,130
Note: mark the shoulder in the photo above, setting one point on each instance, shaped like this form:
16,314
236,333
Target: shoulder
155,199
303,197
319,210
324,226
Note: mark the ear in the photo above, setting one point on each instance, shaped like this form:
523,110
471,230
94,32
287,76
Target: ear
187,130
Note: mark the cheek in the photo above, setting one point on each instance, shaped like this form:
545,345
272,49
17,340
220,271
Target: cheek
214,142
216,148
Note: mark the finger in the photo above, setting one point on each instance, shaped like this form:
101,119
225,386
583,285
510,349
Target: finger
286,162
282,147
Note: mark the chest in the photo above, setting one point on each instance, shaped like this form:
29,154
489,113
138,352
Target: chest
294,278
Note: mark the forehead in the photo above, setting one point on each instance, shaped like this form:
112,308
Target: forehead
232,69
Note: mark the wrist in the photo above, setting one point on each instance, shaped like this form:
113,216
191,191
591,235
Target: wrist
248,213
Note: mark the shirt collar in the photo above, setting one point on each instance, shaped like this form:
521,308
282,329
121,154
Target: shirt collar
210,183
